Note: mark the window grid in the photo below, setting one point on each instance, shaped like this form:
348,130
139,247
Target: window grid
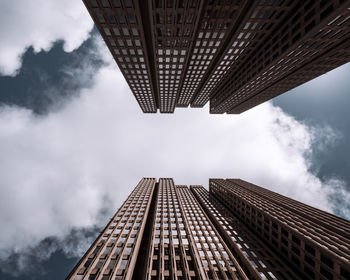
319,66
236,231
170,242
236,53
309,33
217,260
259,22
214,28
309,247
121,27
251,253
113,250
174,23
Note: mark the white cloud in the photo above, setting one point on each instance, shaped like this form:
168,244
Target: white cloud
57,170
39,23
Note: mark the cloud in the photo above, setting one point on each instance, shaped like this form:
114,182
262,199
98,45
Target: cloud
60,170
39,23
30,261
339,194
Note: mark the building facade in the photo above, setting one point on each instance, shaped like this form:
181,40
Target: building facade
236,230
235,54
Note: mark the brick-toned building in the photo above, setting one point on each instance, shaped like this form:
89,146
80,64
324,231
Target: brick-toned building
237,230
236,54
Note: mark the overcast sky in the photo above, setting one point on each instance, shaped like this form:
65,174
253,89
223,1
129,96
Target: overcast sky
74,143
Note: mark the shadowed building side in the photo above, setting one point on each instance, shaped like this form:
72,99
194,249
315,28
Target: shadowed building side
314,242
255,256
303,37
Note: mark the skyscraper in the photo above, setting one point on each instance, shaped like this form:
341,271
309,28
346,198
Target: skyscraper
235,54
312,242
235,231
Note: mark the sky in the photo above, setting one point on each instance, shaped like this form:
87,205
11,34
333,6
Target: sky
74,143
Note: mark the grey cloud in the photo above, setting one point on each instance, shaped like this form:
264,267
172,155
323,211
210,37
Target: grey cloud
29,261
339,194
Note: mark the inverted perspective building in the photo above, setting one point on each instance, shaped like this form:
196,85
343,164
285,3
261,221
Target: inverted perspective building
237,230
234,53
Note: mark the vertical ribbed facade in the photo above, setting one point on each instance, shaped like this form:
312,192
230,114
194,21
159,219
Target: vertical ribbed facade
215,258
235,231
218,21
236,54
172,255
253,255
113,254
185,244
253,22
174,26
314,243
122,25
298,38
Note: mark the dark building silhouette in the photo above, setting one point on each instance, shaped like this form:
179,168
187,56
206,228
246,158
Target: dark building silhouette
237,230
236,54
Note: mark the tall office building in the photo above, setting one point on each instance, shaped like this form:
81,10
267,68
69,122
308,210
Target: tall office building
235,231
314,243
235,54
